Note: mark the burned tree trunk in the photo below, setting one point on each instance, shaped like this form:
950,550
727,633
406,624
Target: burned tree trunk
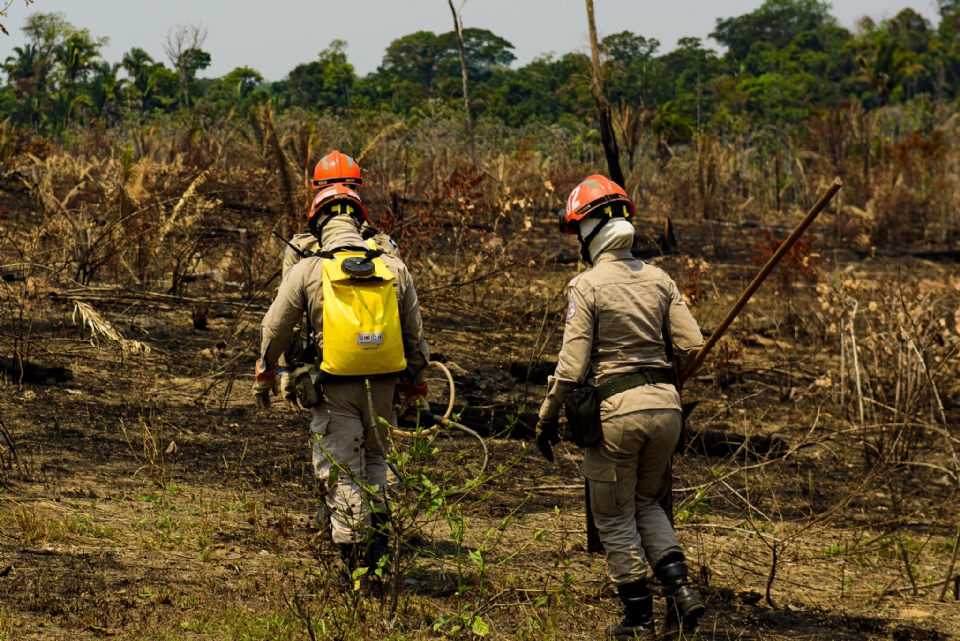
458,29
609,139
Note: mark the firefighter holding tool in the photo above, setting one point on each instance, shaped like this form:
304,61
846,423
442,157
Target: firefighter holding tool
362,307
335,168
614,380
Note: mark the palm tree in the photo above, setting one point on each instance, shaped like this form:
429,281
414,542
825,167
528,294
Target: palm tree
76,56
886,64
23,65
139,66
104,88
61,107
135,61
28,112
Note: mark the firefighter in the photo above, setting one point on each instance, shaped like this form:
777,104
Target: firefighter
618,312
333,169
363,307
338,169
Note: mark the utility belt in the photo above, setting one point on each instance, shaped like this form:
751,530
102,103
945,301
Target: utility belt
308,381
620,384
582,405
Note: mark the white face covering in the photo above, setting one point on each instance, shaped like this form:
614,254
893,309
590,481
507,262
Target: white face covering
616,234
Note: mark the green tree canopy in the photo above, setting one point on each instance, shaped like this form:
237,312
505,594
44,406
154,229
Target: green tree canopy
776,22
324,83
423,57
627,48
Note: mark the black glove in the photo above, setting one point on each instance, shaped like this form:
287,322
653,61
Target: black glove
548,434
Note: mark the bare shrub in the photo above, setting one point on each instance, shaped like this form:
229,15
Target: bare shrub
908,190
896,342
151,450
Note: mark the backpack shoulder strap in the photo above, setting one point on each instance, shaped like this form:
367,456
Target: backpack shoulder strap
368,253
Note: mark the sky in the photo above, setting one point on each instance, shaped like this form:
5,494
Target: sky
276,35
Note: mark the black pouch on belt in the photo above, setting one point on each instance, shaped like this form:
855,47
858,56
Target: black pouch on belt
583,417
305,382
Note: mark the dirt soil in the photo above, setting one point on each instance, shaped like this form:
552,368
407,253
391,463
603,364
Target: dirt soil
145,498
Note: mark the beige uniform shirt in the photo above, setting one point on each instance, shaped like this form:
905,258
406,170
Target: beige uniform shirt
302,291
308,242
615,318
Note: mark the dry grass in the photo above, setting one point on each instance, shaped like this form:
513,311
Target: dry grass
850,362
35,529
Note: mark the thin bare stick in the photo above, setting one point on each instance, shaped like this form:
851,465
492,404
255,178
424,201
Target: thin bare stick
856,360
14,452
953,563
843,369
458,29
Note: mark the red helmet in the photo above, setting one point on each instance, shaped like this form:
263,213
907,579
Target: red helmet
337,168
336,200
596,196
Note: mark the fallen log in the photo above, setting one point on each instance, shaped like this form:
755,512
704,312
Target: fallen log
496,421
34,373
720,443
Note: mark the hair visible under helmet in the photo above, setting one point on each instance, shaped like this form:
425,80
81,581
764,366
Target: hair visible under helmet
597,197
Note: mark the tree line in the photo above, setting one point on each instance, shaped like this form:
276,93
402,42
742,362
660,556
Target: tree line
783,61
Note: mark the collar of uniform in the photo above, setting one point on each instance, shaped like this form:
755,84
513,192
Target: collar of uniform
612,255
341,231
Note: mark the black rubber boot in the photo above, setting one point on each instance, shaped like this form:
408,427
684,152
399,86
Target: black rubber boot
350,553
373,554
380,521
684,607
379,539
638,613
359,555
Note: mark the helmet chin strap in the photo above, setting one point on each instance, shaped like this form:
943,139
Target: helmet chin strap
585,242
334,212
603,217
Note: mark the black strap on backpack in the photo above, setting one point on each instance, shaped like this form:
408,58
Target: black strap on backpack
368,254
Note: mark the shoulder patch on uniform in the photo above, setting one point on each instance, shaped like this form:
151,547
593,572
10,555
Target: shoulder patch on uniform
391,241
571,310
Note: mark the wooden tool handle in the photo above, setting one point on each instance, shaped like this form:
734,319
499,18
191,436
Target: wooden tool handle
794,236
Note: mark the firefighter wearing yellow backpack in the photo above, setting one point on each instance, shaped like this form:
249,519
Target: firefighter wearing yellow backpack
363,308
334,168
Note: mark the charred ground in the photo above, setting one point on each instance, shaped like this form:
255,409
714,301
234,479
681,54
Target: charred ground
144,498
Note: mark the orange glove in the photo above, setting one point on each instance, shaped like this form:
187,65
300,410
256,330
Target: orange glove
413,392
264,384
414,396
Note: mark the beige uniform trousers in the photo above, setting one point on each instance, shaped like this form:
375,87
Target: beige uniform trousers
626,473
344,435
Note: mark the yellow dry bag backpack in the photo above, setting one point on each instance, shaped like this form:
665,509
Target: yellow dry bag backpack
361,316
